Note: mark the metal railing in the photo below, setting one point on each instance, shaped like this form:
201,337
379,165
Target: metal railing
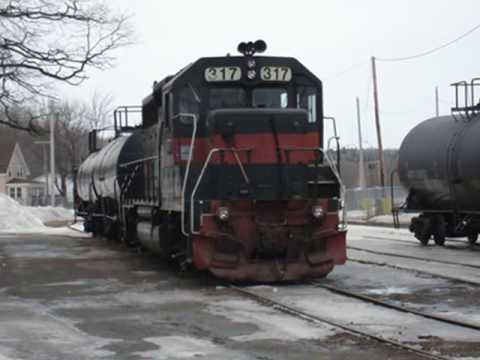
189,165
202,173
334,168
343,221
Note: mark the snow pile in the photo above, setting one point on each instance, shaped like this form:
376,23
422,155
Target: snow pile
48,213
15,218
361,216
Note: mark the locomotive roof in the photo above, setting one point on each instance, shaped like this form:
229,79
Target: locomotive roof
197,67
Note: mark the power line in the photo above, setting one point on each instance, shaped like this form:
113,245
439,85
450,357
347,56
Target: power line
344,71
428,52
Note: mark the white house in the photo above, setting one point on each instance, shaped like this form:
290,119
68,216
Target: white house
16,175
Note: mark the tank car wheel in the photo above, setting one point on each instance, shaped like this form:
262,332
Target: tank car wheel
472,238
424,239
423,230
439,230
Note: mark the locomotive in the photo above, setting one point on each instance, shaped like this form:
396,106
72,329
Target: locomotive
226,171
439,165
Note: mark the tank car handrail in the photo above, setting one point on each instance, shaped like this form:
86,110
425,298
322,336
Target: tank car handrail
200,177
334,170
127,164
189,164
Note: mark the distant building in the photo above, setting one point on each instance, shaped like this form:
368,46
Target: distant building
20,164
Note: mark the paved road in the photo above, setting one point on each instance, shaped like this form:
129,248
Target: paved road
80,298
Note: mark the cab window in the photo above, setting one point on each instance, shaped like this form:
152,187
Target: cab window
270,98
224,98
307,99
188,100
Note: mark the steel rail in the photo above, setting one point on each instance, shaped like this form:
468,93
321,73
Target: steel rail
385,304
416,243
289,310
413,257
405,268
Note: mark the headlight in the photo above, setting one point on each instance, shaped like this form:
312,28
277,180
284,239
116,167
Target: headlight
318,212
223,214
251,63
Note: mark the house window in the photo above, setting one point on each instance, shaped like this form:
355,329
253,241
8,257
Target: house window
12,192
19,192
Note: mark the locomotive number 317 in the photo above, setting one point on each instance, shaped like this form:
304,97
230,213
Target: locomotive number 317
223,73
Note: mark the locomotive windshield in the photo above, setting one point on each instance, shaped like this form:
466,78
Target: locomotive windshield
235,97
223,98
269,98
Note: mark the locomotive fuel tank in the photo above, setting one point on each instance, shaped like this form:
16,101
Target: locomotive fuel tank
106,171
439,164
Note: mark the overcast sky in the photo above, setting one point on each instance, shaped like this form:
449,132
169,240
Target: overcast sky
327,36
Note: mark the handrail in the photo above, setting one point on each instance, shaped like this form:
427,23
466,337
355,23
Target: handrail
335,172
236,151
189,164
200,177
127,164
334,137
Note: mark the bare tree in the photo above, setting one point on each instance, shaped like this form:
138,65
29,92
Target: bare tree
99,110
43,41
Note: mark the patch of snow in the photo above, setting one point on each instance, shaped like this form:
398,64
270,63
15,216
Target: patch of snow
271,324
147,298
184,347
390,291
67,283
362,216
5,357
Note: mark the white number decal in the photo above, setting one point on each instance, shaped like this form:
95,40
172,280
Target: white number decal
276,73
223,73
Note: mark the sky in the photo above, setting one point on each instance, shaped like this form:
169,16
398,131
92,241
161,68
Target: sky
334,39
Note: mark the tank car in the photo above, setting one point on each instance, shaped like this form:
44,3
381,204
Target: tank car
439,165
226,172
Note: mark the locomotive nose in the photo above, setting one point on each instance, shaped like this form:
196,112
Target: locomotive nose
261,137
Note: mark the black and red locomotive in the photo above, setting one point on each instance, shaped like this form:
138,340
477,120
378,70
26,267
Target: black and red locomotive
227,171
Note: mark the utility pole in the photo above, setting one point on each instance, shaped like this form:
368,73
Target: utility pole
52,158
377,124
437,108
361,170
44,145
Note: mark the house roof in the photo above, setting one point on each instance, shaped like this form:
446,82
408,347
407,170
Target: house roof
6,150
24,181
32,153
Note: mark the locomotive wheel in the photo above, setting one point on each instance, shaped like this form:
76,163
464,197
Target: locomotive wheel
439,231
472,238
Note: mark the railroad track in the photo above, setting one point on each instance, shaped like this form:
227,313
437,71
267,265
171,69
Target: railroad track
290,310
403,309
473,247
417,271
411,257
